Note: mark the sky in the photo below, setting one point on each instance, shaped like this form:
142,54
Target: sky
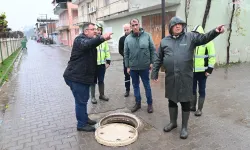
24,13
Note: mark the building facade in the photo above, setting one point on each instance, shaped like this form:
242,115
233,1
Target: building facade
67,31
231,46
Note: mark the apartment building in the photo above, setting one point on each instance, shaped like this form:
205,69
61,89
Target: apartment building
65,26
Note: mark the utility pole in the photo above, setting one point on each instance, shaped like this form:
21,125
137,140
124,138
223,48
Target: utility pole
51,30
46,24
163,14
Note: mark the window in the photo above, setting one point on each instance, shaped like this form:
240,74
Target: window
106,2
83,10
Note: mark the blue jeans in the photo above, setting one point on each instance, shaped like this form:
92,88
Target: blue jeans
81,94
200,79
101,69
144,74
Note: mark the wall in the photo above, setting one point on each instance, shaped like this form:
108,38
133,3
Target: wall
72,12
220,13
237,44
117,26
7,47
64,39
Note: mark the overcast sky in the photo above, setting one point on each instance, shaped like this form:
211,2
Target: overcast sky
21,13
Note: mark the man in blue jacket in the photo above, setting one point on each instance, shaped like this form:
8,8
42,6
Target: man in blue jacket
138,56
81,70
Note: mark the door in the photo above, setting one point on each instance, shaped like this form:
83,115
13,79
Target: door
153,23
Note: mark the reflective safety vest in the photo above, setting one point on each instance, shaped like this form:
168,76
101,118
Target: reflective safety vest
204,55
103,53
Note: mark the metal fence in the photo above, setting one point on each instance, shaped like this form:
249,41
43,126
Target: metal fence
8,46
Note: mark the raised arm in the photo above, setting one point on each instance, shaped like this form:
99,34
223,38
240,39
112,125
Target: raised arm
88,44
201,39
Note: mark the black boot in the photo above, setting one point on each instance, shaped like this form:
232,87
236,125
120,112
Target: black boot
92,93
173,114
184,132
136,107
86,128
200,106
126,94
150,108
91,122
101,91
193,103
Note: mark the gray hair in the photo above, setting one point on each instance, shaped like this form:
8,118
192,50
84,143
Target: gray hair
86,25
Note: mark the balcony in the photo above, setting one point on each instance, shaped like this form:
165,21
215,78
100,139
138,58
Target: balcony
113,8
77,2
62,24
61,7
80,20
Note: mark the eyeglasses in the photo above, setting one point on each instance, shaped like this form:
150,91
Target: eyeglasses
133,25
94,29
127,30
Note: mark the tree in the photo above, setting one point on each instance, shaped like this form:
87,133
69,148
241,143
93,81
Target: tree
3,22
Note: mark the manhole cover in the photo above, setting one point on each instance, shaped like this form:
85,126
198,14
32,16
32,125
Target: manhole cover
116,134
124,118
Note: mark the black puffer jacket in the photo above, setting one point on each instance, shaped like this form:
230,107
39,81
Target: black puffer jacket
82,64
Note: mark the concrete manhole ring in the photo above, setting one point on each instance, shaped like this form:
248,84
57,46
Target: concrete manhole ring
125,118
116,134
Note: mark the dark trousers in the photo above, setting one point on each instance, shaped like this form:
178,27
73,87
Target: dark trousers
127,78
200,79
144,74
101,69
81,95
185,106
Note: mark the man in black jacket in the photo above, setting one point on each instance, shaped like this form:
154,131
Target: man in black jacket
127,30
81,70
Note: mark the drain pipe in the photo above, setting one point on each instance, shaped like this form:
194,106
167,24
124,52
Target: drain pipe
163,15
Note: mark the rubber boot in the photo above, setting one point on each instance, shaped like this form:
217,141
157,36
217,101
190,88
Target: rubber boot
173,114
101,91
193,103
200,106
92,93
184,132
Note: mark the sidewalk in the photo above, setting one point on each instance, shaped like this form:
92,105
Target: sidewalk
41,109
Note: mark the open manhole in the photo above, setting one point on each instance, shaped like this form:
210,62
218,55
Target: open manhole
118,129
125,118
